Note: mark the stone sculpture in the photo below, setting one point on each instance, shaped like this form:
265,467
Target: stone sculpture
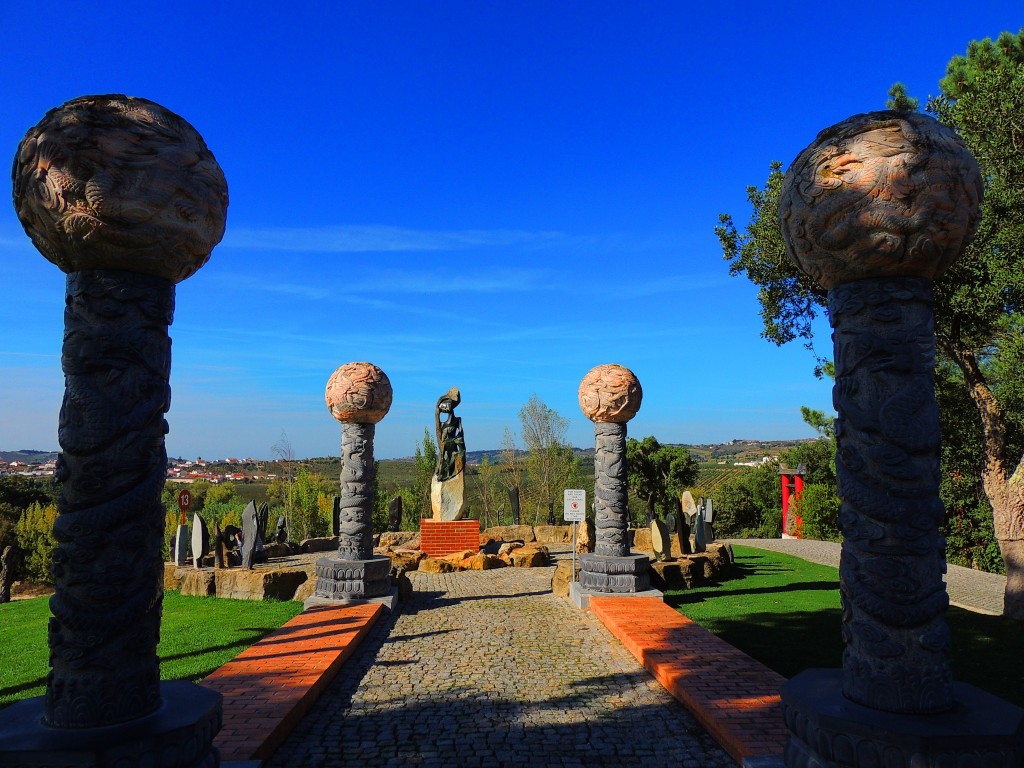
358,395
513,502
218,547
610,395
200,540
448,486
700,543
124,196
395,514
874,209
683,529
250,535
281,535
661,541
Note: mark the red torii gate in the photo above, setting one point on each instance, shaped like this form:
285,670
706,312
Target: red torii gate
792,490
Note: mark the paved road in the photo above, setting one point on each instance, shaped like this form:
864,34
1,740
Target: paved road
490,669
974,590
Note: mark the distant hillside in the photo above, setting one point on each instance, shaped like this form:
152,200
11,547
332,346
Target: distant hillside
29,457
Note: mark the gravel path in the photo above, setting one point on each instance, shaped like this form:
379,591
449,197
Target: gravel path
489,668
976,591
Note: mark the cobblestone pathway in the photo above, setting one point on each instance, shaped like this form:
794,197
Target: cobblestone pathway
490,669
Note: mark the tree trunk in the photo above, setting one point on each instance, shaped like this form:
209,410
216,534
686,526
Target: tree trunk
1004,489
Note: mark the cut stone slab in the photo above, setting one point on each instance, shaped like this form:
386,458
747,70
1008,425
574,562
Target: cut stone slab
243,584
581,597
553,534
524,533
200,583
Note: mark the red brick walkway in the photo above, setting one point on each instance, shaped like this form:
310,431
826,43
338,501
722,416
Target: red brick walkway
733,696
270,686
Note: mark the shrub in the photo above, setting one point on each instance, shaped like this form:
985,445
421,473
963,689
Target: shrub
34,531
819,509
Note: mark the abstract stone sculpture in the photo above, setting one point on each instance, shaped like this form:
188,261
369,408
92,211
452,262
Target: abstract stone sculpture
250,535
513,502
874,209
395,514
448,486
358,395
200,540
610,395
124,196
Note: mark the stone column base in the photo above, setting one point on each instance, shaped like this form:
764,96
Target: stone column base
178,735
830,731
338,579
615,575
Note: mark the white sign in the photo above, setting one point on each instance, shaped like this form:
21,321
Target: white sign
575,510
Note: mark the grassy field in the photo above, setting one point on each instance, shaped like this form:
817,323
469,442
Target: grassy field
785,612
198,635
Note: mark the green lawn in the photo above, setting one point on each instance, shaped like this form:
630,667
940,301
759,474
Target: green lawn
785,613
198,635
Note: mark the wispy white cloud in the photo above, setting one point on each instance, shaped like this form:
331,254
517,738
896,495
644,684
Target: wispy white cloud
376,238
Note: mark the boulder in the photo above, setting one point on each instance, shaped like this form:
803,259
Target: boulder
529,557
510,533
435,565
395,539
585,537
673,574
641,538
563,576
456,558
409,559
244,584
509,546
553,534
321,544
482,562
305,590
277,550
199,583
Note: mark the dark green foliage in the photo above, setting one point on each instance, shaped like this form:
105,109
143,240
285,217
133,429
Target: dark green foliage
34,531
658,474
978,302
749,503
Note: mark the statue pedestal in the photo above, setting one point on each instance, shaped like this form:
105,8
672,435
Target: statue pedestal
443,537
829,731
338,579
177,735
615,575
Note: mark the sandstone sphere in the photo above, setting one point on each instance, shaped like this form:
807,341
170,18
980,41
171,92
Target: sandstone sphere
610,394
881,194
120,183
358,393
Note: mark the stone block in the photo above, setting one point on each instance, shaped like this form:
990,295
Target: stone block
529,557
396,539
673,574
511,533
305,590
199,583
173,574
553,534
321,544
243,584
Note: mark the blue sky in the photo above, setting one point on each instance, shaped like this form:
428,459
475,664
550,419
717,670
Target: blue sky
494,196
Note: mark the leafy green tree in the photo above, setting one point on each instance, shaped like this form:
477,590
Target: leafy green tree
658,473
749,503
425,460
36,541
312,502
550,461
978,302
485,477
223,493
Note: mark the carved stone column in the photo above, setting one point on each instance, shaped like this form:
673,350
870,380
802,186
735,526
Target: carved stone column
610,396
874,210
124,196
358,395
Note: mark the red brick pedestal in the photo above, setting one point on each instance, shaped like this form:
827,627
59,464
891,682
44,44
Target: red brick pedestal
442,537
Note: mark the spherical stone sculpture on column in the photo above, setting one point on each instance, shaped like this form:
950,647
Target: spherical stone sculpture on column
610,395
875,209
358,395
124,196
